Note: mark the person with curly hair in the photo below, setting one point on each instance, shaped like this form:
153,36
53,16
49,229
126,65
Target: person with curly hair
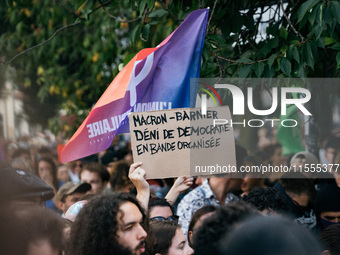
267,201
109,224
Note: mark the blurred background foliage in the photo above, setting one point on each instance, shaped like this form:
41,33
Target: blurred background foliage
79,46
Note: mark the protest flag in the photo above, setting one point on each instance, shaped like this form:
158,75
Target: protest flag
155,79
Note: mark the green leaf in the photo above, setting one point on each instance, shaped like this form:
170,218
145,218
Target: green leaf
283,32
295,54
157,13
338,60
301,71
258,68
285,66
318,30
336,46
321,42
216,38
312,16
305,7
327,15
308,55
146,31
150,3
244,71
269,72
142,6
336,10
271,60
329,40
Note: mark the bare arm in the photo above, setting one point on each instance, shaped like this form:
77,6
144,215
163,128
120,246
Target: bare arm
137,175
180,185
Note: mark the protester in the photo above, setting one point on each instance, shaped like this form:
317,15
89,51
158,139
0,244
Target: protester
137,175
336,174
70,193
332,144
213,191
330,240
209,234
269,236
268,201
119,180
63,173
30,230
18,186
47,171
166,238
109,224
95,174
299,193
216,190
251,181
327,206
74,170
22,159
160,209
197,219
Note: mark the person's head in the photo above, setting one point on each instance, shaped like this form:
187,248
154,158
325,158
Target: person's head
70,193
45,152
166,238
47,171
18,186
273,154
332,144
62,173
330,240
120,177
302,158
267,201
337,161
251,181
30,230
109,158
299,188
327,206
269,236
160,207
197,219
75,166
22,153
95,174
109,224
219,224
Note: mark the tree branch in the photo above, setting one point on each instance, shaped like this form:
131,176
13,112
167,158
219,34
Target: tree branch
118,18
212,13
167,9
40,44
290,23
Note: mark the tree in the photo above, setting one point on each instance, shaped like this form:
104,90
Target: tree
82,44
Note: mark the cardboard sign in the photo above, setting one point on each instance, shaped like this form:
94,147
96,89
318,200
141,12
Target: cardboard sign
182,142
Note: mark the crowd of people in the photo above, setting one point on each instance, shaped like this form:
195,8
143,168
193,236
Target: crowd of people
105,204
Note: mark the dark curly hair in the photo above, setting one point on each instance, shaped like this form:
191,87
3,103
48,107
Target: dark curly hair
207,237
95,229
267,199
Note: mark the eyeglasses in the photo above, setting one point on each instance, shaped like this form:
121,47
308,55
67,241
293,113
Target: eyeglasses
161,218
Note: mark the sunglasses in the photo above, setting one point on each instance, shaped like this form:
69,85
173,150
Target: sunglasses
161,218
